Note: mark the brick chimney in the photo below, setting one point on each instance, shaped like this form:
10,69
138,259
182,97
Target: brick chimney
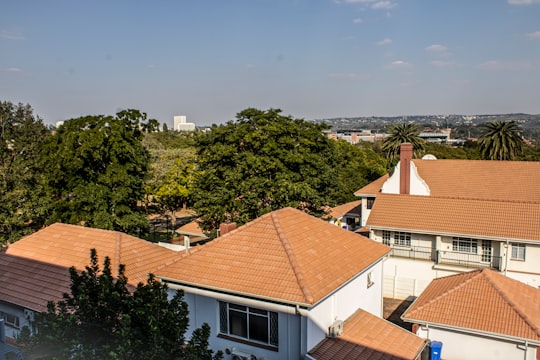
225,228
405,157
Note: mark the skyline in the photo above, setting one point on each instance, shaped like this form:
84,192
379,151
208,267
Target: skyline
313,59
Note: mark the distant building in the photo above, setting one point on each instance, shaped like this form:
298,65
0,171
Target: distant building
180,124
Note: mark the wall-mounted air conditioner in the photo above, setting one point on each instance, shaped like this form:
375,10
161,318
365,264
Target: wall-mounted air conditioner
336,328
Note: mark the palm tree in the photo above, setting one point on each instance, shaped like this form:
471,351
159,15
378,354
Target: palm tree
502,141
399,134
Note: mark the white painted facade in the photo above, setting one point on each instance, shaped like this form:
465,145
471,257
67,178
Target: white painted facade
476,346
417,185
299,328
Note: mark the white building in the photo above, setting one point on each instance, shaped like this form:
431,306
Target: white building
180,124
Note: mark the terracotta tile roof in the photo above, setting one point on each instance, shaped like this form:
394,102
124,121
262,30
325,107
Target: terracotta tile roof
286,255
350,207
41,260
481,300
366,336
475,179
482,179
457,216
373,188
191,228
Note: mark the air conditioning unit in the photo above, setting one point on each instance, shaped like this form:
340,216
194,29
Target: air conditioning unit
336,328
29,314
241,355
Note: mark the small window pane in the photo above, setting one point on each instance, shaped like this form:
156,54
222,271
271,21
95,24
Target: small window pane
518,251
238,323
258,328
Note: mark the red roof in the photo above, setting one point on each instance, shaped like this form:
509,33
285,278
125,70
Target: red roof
286,255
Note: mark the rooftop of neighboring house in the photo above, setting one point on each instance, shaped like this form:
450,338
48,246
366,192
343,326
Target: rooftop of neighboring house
34,269
286,255
482,301
366,336
516,181
339,211
193,230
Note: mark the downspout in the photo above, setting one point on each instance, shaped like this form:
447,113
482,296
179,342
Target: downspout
300,340
526,347
506,256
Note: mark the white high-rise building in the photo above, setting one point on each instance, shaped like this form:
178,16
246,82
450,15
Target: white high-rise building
180,124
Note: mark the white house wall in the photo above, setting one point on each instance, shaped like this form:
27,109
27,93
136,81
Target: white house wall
527,271
463,346
417,185
16,311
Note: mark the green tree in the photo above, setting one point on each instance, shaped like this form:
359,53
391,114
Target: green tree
24,203
502,141
358,166
399,134
261,162
96,169
105,318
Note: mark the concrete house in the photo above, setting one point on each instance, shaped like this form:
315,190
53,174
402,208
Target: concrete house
276,287
479,315
442,217
35,269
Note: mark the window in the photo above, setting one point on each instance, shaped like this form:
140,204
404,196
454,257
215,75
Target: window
518,251
386,237
465,245
370,202
402,238
10,319
248,323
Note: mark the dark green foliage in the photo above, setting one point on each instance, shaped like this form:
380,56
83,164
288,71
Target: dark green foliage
399,134
24,201
502,141
96,169
103,319
261,162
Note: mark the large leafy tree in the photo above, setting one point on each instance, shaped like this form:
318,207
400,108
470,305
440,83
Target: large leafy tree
502,140
23,197
97,166
261,162
399,134
105,318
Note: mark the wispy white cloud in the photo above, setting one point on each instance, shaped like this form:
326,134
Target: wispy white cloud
357,21
7,35
385,41
523,2
495,65
533,35
350,76
12,70
386,5
399,64
438,50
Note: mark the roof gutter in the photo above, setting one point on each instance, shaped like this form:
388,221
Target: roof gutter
490,334
271,303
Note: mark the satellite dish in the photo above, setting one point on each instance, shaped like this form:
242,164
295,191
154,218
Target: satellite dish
429,157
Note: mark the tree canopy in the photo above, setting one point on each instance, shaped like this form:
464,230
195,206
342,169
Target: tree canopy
23,195
261,162
96,169
502,140
399,134
105,318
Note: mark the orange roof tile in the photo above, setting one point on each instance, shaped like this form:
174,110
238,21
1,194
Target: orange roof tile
287,255
372,188
191,228
366,336
470,300
457,216
41,260
350,207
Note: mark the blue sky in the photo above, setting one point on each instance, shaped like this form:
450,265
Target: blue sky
210,59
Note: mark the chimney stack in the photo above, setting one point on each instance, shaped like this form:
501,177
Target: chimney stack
225,228
405,157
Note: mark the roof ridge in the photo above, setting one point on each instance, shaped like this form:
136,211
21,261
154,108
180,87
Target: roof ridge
507,299
453,289
292,259
466,198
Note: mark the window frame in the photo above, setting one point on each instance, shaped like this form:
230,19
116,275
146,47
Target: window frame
369,202
386,237
402,238
11,320
521,251
249,332
465,245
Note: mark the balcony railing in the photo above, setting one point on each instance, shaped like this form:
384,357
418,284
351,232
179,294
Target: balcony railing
412,252
468,260
463,259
